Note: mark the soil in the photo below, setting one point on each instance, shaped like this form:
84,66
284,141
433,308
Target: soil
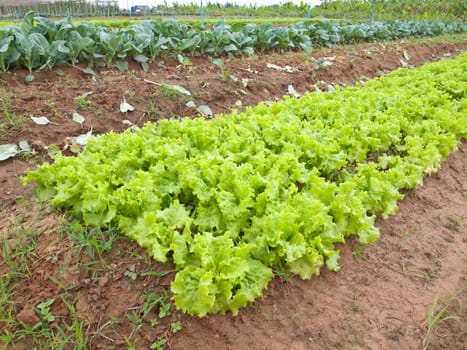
378,300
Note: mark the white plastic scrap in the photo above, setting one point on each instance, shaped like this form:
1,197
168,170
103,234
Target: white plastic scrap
78,118
125,106
292,92
177,88
7,151
287,69
205,110
25,146
83,139
40,120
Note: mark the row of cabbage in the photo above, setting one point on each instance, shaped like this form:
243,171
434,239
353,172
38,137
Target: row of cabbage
231,199
39,43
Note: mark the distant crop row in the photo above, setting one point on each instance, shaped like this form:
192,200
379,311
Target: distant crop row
123,22
39,43
361,10
389,9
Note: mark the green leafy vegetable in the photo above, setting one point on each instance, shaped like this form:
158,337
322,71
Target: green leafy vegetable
39,42
232,199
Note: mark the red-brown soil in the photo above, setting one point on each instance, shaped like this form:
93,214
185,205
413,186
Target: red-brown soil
378,300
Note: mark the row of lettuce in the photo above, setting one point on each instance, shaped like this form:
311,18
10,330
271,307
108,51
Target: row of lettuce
230,200
39,43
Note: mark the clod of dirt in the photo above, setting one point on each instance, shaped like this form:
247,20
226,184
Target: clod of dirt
104,281
82,306
28,316
12,244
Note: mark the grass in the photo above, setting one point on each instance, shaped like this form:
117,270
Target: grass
170,93
359,252
152,112
94,241
10,123
437,314
49,258
439,38
82,101
42,334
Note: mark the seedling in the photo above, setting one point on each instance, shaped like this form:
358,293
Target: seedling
131,273
176,326
223,74
43,311
159,345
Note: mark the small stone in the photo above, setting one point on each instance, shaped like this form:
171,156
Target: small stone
28,316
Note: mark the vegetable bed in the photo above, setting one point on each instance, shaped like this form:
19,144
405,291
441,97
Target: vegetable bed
40,43
229,200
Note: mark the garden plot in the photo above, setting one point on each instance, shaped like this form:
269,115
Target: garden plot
103,272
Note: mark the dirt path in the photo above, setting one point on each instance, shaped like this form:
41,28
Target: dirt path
378,300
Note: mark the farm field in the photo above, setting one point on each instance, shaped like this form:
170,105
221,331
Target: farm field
99,290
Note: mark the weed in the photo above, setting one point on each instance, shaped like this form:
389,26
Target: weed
129,92
152,111
428,278
296,316
158,274
17,257
129,343
406,237
176,326
282,273
93,241
152,300
436,315
43,311
6,303
164,309
52,106
170,93
222,74
131,273
135,320
49,333
82,101
159,345
359,252
10,123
